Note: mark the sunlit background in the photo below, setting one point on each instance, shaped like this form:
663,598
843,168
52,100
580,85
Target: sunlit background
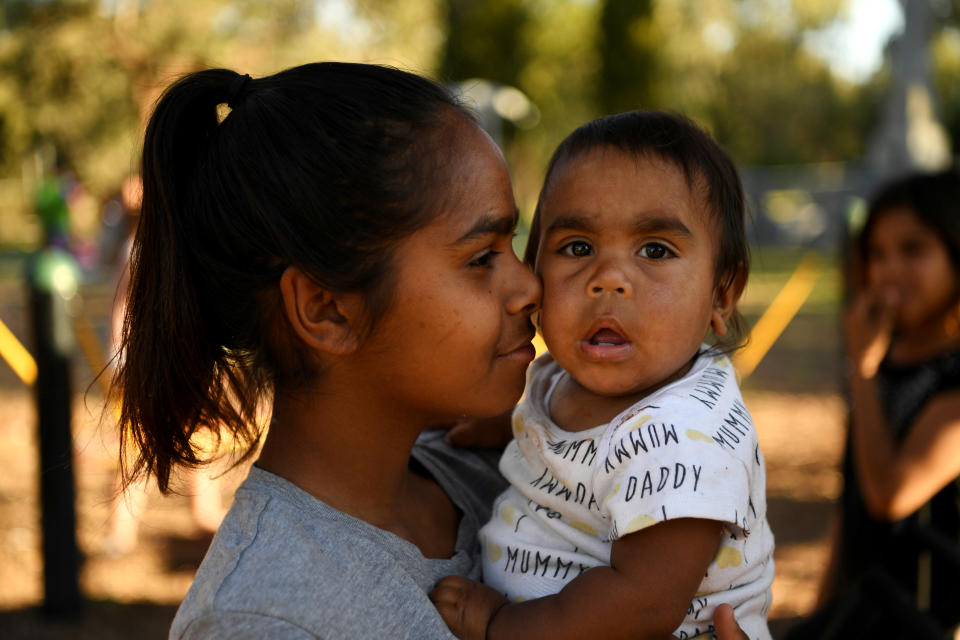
816,100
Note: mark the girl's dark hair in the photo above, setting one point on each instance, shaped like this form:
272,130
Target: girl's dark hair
707,168
932,197
323,167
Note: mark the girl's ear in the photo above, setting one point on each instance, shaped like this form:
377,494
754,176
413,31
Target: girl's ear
725,300
325,321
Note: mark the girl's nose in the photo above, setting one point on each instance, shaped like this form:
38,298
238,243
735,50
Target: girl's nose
609,279
884,272
526,291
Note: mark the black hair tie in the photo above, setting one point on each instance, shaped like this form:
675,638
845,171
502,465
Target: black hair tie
235,93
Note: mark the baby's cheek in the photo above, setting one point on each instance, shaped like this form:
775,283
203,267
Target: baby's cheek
555,322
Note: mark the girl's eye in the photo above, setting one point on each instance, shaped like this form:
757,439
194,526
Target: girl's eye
655,251
484,258
577,249
912,249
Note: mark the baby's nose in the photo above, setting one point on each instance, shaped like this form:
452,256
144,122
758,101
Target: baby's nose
610,279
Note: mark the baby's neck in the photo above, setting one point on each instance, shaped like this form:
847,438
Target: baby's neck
574,407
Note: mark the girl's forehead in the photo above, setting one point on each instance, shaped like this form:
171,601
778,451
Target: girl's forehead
896,221
471,173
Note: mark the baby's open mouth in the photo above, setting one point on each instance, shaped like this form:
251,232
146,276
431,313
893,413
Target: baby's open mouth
607,338
606,343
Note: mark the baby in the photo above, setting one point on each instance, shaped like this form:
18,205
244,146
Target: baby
637,499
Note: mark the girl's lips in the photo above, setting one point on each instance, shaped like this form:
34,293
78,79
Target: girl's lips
526,353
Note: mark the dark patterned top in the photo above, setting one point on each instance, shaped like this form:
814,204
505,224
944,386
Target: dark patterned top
868,542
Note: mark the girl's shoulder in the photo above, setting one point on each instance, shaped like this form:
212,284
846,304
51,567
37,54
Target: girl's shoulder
283,555
926,377
948,365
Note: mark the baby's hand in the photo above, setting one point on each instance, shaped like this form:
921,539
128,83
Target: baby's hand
725,624
466,606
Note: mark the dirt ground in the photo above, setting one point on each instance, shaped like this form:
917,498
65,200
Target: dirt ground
137,593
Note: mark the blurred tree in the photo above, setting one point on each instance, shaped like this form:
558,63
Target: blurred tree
543,47
946,68
740,68
81,75
484,40
784,106
629,56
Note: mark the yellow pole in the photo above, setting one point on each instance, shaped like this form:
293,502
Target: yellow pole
778,315
17,356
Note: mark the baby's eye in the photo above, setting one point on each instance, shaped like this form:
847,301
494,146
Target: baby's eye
577,249
484,258
655,251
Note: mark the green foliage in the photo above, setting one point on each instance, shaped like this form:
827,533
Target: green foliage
628,50
819,118
484,40
80,76
946,56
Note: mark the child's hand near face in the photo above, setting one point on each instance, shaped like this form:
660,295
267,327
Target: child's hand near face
868,325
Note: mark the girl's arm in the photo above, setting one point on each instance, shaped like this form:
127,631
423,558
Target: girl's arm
895,480
644,593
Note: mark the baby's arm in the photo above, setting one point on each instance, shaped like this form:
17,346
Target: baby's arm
644,593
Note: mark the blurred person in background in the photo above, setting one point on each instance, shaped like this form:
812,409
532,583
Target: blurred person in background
894,568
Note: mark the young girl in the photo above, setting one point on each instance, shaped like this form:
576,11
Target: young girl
339,244
334,240
637,498
901,466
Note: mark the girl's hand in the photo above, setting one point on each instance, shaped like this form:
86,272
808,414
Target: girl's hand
466,606
868,327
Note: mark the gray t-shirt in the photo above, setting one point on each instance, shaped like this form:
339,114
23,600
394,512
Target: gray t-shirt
286,565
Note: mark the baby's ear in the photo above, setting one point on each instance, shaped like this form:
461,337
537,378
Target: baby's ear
324,320
725,299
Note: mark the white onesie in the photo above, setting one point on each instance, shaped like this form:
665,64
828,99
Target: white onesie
688,450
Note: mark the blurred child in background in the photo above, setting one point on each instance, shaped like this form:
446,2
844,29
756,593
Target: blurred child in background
903,450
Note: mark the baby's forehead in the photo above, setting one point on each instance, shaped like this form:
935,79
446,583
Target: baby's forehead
605,173
569,166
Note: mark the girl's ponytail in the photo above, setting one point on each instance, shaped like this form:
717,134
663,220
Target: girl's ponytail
173,377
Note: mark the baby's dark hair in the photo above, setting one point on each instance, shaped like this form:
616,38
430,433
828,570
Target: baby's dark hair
321,167
932,197
707,168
